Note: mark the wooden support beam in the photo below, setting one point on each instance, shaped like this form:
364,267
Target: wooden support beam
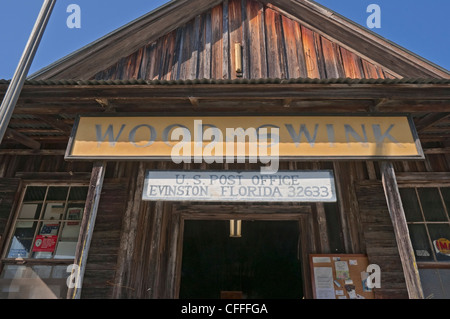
430,120
415,178
225,41
130,229
87,227
371,171
428,137
403,93
56,123
22,139
154,252
438,150
54,176
321,219
323,230
401,231
34,152
342,179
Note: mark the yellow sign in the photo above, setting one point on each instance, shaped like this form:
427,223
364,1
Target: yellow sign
231,137
442,245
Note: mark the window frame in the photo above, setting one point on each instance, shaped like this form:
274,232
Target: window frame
415,185
14,219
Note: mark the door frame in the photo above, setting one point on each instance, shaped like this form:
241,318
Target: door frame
246,211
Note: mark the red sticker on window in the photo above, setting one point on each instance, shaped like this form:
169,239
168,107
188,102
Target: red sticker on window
45,243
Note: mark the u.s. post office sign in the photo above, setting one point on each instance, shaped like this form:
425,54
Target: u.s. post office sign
236,186
228,137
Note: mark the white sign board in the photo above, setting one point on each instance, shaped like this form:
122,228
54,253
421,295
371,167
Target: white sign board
236,186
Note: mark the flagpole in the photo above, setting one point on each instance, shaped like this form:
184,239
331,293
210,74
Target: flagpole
18,80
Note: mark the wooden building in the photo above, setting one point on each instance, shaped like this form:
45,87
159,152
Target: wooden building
244,60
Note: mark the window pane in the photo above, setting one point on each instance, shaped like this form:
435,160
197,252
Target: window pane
54,211
445,278
49,229
13,271
68,241
35,193
45,242
60,272
41,271
57,193
36,282
420,243
70,231
78,193
75,211
432,204
440,236
446,195
30,211
411,205
22,240
431,284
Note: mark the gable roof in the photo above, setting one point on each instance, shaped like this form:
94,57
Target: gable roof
99,55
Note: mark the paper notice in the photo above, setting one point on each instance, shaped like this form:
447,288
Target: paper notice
318,260
342,271
324,283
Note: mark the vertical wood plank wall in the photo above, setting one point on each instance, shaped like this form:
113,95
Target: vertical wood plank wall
376,227
274,46
9,189
363,215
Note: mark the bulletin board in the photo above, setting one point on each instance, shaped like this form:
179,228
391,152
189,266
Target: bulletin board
340,276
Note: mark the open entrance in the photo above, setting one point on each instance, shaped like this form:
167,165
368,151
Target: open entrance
264,262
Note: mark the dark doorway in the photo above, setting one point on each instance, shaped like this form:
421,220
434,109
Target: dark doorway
263,263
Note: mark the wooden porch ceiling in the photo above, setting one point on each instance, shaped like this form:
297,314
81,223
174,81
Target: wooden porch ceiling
44,115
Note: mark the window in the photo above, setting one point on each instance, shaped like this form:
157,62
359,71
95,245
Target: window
427,214
43,242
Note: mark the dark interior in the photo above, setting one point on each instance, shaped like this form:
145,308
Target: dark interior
262,264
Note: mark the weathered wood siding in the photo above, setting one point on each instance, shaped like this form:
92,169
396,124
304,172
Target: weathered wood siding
8,198
273,46
133,243
101,265
133,246
379,237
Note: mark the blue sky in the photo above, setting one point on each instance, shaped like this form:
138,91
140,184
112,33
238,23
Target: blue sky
419,26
